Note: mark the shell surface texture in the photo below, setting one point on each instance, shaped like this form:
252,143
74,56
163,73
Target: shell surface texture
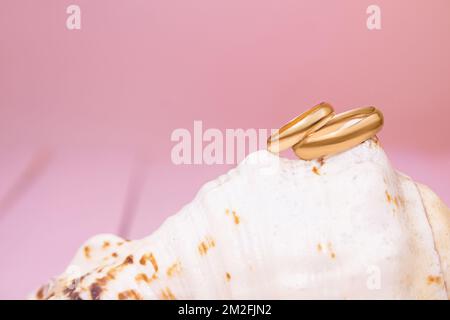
346,227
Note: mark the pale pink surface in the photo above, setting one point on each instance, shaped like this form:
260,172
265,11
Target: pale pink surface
86,105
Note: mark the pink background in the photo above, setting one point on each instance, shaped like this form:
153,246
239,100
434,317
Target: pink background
86,115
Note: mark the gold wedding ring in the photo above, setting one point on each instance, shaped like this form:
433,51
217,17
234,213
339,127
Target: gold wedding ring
319,133
343,132
300,127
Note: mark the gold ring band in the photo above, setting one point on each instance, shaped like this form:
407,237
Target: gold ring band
342,132
300,127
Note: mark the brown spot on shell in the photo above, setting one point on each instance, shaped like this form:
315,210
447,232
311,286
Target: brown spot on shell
174,269
396,202
236,218
87,252
166,294
70,290
434,280
111,274
143,277
95,290
74,296
114,254
40,293
228,276
149,257
129,295
321,161
153,262
202,248
205,245
128,260
106,244
316,170
328,249
388,196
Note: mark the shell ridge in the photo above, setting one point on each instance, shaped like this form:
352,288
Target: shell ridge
433,236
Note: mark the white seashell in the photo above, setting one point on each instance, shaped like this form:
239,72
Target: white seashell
348,228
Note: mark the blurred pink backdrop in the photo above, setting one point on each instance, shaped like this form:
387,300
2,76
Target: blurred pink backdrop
86,115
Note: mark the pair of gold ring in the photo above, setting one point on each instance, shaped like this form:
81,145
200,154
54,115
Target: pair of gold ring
319,132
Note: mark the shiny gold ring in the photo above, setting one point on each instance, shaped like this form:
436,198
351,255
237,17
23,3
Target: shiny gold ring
342,132
300,127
